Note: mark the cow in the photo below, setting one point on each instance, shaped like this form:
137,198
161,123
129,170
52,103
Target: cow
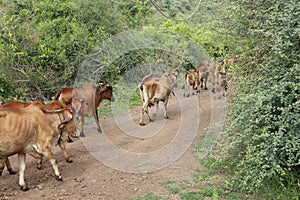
203,74
153,90
92,95
191,82
173,78
54,118
28,130
217,78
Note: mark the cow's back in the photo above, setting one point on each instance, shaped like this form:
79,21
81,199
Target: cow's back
15,104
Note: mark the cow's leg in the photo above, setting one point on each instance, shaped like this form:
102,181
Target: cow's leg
9,168
22,165
156,109
39,162
205,82
50,156
187,90
96,117
147,112
81,122
192,87
69,140
166,103
66,155
142,115
144,110
2,165
219,90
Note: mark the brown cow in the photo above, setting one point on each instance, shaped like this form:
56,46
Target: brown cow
92,95
191,82
154,90
30,132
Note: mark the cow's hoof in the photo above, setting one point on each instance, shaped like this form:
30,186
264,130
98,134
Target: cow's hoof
59,178
166,117
24,188
82,134
205,88
12,172
39,167
142,124
69,160
99,130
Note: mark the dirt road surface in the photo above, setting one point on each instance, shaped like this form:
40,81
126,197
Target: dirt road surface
127,160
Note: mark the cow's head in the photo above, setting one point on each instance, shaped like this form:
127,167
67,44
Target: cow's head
105,91
80,107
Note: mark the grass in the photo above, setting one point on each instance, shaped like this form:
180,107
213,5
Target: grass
150,196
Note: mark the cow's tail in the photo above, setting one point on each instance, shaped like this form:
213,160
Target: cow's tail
141,86
147,76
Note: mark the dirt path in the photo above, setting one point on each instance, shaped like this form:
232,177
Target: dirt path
127,160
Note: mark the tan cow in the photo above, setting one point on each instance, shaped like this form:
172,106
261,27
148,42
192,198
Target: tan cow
54,118
92,95
191,82
173,78
28,130
153,90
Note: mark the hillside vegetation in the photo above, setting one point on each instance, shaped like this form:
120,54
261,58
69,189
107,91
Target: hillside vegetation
43,44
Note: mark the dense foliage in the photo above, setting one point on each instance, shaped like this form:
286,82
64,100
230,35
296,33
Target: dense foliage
263,129
44,42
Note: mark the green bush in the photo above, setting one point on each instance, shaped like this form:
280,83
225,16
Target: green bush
263,128
262,135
